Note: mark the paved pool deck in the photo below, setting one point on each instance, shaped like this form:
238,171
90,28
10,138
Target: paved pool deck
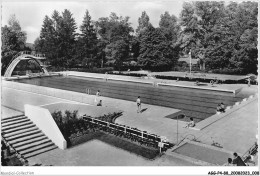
98,153
235,132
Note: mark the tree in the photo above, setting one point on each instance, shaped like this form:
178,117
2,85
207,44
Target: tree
15,27
87,42
156,51
57,39
135,47
198,19
114,28
171,30
234,39
169,25
114,33
117,52
13,41
67,39
38,44
143,23
101,55
46,42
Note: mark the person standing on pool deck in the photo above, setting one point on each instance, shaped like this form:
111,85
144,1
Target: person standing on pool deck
97,95
138,101
249,82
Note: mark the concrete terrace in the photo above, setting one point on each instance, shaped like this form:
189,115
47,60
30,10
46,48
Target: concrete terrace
235,131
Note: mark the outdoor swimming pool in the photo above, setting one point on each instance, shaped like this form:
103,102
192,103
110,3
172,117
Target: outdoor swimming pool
196,103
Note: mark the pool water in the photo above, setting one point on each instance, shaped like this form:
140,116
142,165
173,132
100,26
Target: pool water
199,104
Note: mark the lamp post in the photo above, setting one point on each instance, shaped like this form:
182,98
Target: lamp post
190,61
177,129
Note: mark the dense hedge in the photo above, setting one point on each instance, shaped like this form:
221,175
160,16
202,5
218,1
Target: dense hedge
127,74
110,117
77,130
71,126
227,71
91,70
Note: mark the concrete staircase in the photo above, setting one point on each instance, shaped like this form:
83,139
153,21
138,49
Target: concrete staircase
25,137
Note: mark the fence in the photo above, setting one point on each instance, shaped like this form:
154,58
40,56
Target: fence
157,141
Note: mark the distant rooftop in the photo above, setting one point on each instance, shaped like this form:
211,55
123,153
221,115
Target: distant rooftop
187,60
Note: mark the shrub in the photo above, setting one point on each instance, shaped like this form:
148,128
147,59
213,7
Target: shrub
228,71
70,124
91,70
127,74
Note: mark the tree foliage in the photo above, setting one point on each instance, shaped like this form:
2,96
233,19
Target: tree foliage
57,38
234,39
143,23
169,24
114,28
117,52
115,33
156,51
13,41
87,49
221,35
224,37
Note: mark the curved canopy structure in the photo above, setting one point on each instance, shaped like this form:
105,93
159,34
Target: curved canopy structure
22,56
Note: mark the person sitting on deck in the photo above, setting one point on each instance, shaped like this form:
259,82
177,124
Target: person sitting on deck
99,103
222,107
229,163
197,83
191,123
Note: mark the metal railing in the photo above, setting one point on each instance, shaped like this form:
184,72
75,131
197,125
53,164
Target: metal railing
130,131
250,151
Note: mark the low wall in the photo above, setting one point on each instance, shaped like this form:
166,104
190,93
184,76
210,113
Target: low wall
58,93
230,109
204,88
43,120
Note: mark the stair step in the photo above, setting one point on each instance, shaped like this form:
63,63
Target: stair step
16,125
15,122
19,132
18,128
40,151
25,138
36,148
33,144
13,117
29,141
23,134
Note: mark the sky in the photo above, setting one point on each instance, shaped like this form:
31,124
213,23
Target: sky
30,13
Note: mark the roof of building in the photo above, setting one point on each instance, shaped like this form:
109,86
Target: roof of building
187,60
